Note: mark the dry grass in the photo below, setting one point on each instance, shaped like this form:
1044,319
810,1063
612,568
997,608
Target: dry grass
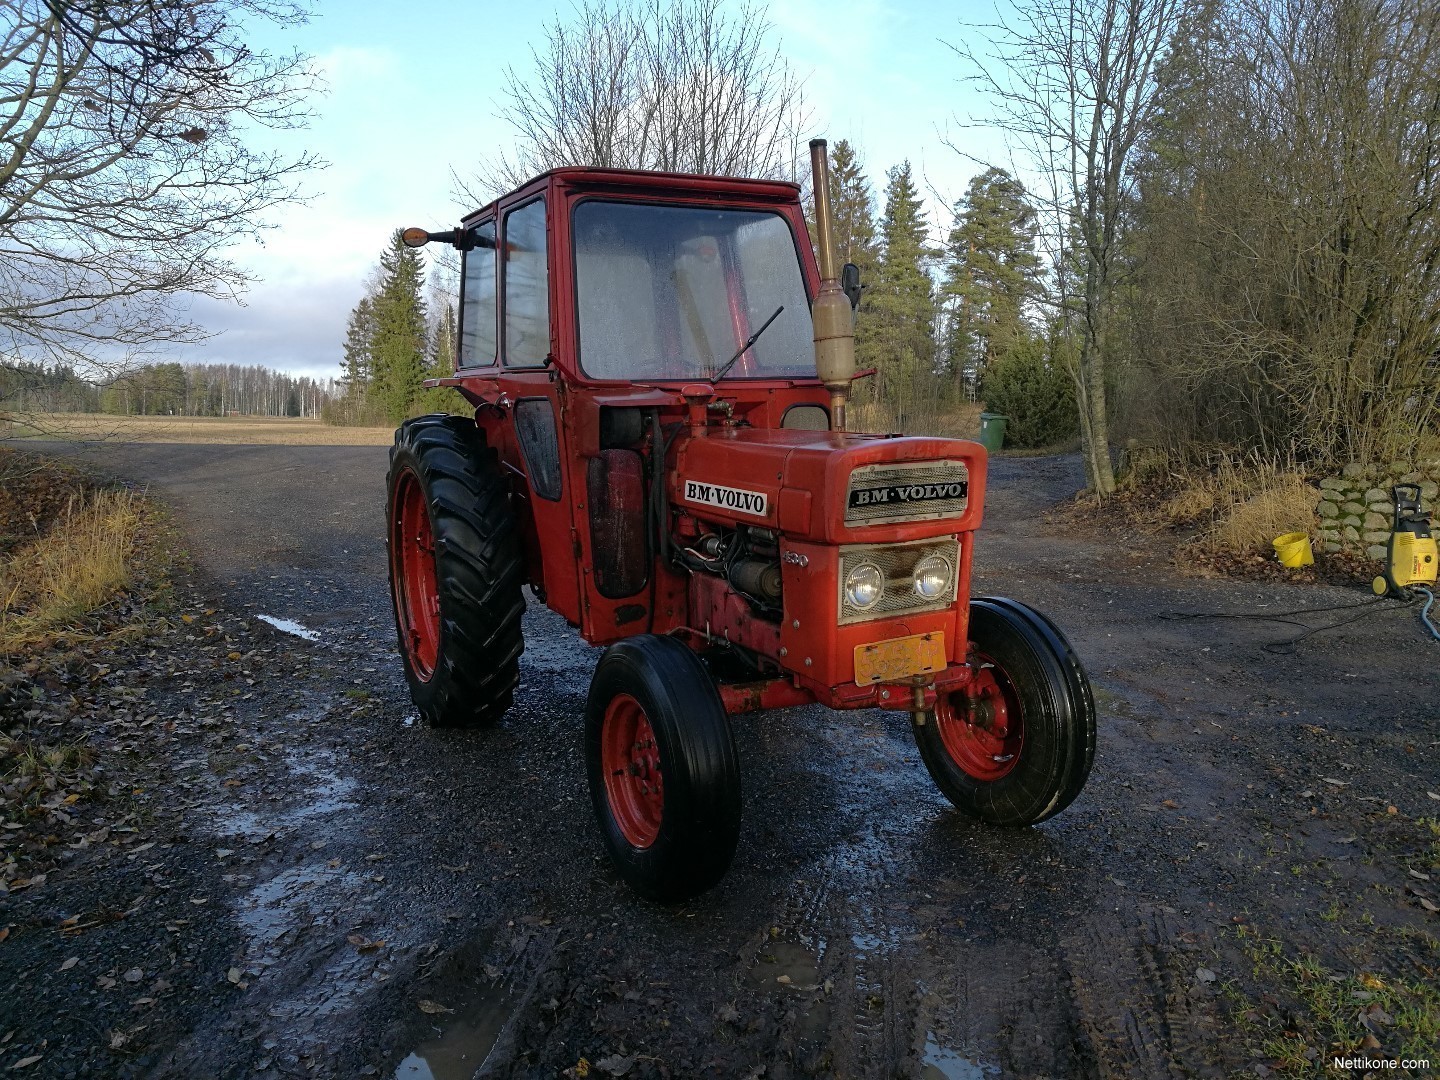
952,422
247,430
75,568
1239,507
1283,504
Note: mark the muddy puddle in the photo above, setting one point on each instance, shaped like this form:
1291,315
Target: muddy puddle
461,1045
939,1062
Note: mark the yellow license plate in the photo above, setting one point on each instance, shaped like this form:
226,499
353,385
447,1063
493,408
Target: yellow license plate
899,658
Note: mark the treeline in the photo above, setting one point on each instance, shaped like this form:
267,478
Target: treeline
34,387
170,389
395,340
1227,238
956,320
1233,245
1278,265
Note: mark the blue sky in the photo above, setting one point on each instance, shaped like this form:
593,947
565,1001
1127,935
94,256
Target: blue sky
412,95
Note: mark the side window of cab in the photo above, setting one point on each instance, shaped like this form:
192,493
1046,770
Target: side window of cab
527,287
478,300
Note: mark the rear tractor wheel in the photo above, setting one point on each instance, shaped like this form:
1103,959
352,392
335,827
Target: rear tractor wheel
455,572
1015,746
664,777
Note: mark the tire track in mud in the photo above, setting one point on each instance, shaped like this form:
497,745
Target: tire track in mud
933,955
845,914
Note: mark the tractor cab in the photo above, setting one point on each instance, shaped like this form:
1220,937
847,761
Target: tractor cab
659,367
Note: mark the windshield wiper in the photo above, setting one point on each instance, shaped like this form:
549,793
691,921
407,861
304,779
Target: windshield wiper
748,342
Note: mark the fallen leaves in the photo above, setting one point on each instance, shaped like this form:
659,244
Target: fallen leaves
432,1008
70,963
364,944
26,1062
615,1064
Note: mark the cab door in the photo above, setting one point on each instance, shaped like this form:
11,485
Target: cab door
532,393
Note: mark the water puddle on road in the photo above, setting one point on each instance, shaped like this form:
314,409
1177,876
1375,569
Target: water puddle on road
290,626
794,962
942,1063
327,793
459,1051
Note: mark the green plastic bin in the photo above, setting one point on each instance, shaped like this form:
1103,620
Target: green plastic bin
992,430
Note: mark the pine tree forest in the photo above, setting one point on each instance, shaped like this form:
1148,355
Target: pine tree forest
163,389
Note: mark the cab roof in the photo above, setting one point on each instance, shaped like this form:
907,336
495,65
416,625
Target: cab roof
638,182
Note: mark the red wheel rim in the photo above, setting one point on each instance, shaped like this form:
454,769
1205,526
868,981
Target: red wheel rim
417,591
634,786
983,726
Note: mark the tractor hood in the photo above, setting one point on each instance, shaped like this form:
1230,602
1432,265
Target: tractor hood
831,487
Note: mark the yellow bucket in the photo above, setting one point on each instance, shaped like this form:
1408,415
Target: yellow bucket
1294,549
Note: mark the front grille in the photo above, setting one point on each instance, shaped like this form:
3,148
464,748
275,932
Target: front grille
910,491
896,563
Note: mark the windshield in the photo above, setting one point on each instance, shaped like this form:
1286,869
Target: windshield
672,292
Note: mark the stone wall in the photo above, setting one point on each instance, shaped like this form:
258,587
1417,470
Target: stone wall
1357,510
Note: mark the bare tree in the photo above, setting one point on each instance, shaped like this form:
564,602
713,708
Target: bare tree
1075,84
125,168
673,85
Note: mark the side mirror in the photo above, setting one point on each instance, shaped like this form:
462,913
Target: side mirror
850,284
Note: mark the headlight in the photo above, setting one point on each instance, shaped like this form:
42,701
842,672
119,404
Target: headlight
864,586
932,577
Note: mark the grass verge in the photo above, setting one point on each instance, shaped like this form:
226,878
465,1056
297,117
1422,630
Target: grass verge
1313,1012
76,583
54,584
237,430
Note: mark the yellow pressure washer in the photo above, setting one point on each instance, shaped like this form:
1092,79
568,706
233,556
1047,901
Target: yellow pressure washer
1411,554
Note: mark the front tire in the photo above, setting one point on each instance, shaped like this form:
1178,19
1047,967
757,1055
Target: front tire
664,775
455,572
1015,747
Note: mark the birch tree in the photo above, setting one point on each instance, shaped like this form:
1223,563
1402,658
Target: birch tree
1075,84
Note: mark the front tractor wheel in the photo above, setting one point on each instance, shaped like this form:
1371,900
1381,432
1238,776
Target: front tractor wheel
664,777
455,569
1015,746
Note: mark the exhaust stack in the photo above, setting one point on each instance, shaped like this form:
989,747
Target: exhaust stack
830,312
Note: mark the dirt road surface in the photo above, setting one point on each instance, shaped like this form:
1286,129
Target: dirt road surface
340,891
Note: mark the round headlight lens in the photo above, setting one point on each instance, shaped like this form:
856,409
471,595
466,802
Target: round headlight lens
864,586
932,577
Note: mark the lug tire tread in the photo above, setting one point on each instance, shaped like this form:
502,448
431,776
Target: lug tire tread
479,570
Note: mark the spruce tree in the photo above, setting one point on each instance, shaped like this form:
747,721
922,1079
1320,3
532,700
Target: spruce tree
442,362
853,208
900,309
991,274
358,363
398,352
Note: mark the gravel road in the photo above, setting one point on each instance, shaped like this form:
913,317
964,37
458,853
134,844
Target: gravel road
397,901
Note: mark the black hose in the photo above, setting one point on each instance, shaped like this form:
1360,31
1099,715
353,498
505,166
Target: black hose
1287,645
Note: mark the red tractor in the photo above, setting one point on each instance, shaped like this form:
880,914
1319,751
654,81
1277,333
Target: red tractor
659,370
